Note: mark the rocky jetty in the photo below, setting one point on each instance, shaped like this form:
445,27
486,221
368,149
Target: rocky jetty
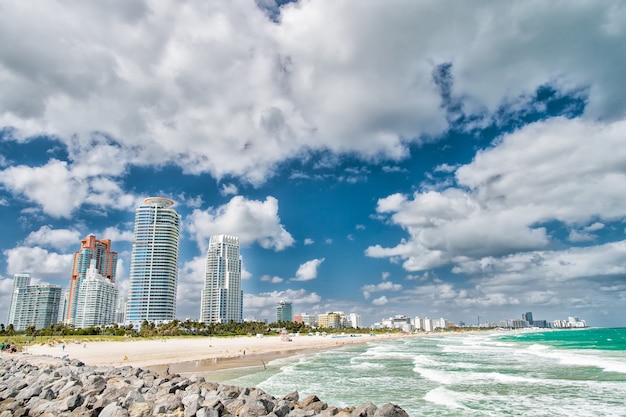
36,386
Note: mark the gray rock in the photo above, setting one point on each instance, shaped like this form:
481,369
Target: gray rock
131,398
292,396
192,404
390,410
365,410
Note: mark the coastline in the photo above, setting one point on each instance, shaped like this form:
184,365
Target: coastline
197,354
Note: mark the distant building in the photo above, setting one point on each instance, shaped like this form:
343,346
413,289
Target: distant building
96,300
98,250
154,262
284,311
354,321
519,324
222,297
418,323
120,310
33,305
329,320
305,318
528,316
398,322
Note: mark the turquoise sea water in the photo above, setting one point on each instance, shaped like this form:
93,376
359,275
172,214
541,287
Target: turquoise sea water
552,373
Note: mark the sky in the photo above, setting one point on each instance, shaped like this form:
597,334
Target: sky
455,159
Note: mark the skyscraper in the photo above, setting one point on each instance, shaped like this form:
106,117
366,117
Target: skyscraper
33,305
21,280
96,300
222,297
284,311
154,262
106,262
528,316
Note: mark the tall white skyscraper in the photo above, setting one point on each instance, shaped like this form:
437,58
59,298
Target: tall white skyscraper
20,281
222,297
154,262
96,299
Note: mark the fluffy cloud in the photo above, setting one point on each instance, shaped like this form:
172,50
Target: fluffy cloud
380,301
308,270
561,170
273,280
59,239
44,184
220,88
250,220
42,264
383,286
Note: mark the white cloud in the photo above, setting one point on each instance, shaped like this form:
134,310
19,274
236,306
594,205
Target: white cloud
250,220
562,170
44,184
380,301
116,235
272,279
308,241
383,286
41,263
59,239
229,189
220,88
308,270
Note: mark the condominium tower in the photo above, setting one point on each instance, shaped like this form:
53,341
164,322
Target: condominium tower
284,311
20,281
154,262
106,262
33,305
222,297
96,301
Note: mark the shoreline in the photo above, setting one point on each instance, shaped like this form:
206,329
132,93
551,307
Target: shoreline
190,355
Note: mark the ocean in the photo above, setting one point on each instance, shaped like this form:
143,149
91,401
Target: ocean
578,372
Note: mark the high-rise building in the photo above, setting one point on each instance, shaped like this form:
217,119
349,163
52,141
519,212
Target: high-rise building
20,280
96,300
528,316
154,262
106,262
222,297
284,311
33,305
354,320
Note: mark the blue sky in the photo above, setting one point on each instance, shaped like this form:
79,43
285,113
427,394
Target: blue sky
431,158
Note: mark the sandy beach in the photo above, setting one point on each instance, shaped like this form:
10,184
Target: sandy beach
224,352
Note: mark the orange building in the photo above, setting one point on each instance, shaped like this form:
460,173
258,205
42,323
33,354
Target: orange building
106,262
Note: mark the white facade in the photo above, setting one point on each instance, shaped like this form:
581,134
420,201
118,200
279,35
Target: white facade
222,297
36,305
428,325
20,280
154,262
354,320
96,300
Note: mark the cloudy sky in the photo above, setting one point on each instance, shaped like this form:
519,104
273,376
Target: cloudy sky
437,158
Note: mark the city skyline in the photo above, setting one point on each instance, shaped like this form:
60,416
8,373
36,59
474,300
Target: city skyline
442,158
